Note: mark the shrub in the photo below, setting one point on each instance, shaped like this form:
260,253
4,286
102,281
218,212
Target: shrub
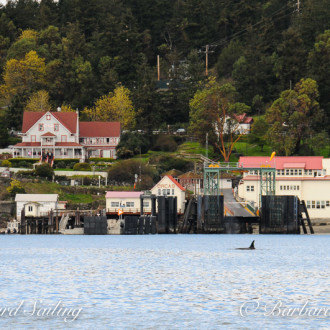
6,163
45,171
69,163
124,172
165,143
132,144
166,163
82,167
60,164
15,188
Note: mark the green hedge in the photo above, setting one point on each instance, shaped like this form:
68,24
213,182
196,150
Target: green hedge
98,159
65,163
23,162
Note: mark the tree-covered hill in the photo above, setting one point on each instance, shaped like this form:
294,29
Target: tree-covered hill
77,52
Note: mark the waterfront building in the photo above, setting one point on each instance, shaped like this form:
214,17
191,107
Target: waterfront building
35,205
62,135
127,201
168,186
307,177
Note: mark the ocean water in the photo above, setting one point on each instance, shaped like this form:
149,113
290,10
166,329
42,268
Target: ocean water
164,282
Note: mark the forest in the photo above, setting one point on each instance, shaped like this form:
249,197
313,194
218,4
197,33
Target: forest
83,55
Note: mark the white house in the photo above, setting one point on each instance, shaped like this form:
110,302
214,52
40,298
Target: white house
240,124
307,177
62,135
167,186
35,205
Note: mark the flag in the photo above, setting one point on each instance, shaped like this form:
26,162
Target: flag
272,155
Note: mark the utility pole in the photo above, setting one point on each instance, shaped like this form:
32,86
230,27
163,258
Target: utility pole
207,52
158,68
207,59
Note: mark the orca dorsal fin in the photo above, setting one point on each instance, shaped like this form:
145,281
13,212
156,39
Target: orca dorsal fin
252,246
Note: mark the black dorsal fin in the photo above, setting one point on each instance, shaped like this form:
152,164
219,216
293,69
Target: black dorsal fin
252,245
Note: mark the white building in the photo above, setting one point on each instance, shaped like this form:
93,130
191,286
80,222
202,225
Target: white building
307,177
128,201
35,205
167,186
62,135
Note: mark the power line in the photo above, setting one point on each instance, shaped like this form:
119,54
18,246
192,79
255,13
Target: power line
239,33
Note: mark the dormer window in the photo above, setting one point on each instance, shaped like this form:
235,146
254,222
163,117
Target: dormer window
41,127
48,117
56,127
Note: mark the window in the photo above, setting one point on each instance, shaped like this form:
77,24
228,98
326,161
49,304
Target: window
291,172
41,127
33,138
287,187
287,172
114,204
313,204
281,187
278,172
56,127
173,192
30,208
284,187
168,191
295,172
48,117
145,204
159,192
252,188
63,138
327,203
322,204
282,172
300,172
318,204
108,140
310,172
247,188
298,188
129,204
308,204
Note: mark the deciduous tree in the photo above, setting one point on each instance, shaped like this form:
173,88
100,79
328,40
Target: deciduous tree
212,111
116,106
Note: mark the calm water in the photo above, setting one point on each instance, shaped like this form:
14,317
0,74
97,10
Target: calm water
164,281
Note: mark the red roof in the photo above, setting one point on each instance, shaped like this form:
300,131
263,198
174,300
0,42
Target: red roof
282,162
99,129
48,134
28,144
67,119
176,182
243,119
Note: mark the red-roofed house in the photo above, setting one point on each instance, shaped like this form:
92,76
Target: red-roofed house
61,134
168,186
307,177
241,124
99,138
